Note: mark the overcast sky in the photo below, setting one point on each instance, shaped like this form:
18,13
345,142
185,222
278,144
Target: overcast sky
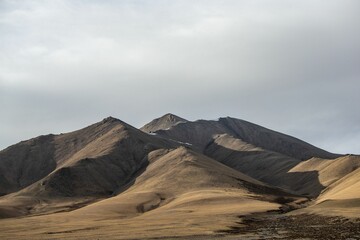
292,66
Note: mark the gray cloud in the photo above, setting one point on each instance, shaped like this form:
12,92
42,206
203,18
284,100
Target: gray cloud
292,66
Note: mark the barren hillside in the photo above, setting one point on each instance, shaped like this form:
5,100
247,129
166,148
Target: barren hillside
171,178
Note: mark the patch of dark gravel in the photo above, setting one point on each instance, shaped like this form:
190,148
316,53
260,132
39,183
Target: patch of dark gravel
273,226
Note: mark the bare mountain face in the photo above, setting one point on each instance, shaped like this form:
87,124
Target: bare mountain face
202,132
94,162
195,177
25,163
174,177
165,122
259,152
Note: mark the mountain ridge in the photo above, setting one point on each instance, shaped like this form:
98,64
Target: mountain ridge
201,132
171,171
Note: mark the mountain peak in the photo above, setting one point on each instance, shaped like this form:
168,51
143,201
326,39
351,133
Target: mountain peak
172,118
110,119
162,123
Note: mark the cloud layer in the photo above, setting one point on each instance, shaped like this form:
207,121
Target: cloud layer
292,66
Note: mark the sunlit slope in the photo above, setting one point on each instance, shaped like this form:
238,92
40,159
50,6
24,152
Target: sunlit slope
182,177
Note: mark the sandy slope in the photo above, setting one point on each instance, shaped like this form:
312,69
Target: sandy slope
181,193
347,187
176,175
328,171
341,179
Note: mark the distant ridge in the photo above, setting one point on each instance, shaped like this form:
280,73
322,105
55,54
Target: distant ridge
201,133
163,123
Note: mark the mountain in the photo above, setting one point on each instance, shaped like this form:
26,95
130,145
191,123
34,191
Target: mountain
165,122
180,193
259,152
201,133
170,178
174,177
93,162
75,154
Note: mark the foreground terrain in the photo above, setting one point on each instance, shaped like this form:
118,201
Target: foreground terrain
174,178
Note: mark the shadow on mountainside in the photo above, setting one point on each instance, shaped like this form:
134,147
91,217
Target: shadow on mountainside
25,163
269,167
71,188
